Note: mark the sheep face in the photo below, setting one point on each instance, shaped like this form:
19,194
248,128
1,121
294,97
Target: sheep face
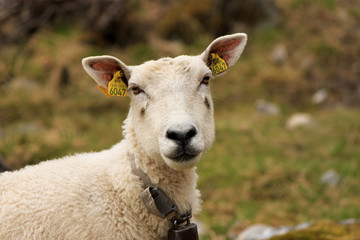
171,112
171,109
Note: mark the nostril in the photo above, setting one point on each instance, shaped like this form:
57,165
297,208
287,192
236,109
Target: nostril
173,135
182,137
191,133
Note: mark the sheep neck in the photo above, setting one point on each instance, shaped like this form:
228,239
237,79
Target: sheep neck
178,185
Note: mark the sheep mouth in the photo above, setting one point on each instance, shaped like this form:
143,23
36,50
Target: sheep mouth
183,157
180,160
183,154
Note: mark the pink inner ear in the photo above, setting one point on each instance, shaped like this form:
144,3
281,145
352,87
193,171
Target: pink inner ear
107,77
105,68
223,48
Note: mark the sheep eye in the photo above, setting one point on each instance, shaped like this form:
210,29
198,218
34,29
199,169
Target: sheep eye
205,80
136,90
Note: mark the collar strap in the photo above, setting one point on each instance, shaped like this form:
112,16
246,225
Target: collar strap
156,200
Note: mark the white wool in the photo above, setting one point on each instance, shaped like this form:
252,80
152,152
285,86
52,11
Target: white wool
96,195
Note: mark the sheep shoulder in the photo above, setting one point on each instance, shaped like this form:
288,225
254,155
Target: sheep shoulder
75,196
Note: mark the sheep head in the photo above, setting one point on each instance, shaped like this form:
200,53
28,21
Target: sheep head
171,109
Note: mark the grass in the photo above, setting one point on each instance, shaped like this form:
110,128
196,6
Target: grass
258,171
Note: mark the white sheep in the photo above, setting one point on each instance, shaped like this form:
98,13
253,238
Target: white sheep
97,195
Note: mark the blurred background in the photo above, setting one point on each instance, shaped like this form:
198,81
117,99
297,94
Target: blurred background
287,114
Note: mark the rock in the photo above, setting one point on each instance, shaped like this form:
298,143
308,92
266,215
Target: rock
300,120
279,54
24,84
319,96
302,226
330,178
255,232
346,229
265,107
306,63
29,128
22,129
349,221
259,232
325,229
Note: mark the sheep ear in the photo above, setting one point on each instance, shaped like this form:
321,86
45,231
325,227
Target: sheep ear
102,69
228,48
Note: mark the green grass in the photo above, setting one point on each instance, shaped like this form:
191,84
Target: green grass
259,171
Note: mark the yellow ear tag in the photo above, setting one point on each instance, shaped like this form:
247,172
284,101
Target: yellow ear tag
116,86
218,64
104,90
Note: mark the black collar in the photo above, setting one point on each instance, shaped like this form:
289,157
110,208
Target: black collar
156,200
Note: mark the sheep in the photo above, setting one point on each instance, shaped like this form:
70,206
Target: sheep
97,195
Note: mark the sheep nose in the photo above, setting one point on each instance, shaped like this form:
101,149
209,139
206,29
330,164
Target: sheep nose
181,137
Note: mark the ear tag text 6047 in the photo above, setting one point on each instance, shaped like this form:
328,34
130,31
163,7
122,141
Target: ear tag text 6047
116,86
218,64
